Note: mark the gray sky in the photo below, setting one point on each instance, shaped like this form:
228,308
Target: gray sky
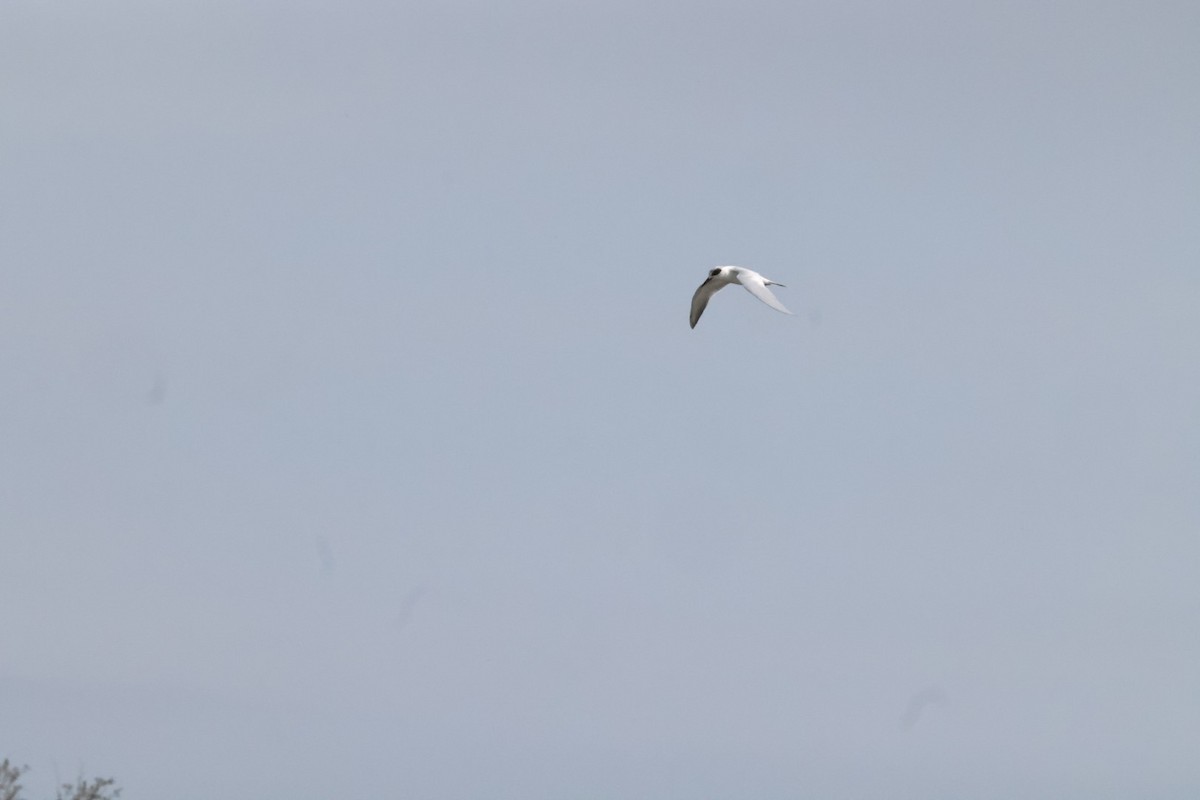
355,443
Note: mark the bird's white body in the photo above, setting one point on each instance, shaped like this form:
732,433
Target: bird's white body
720,277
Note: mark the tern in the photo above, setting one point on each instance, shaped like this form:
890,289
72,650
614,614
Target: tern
720,277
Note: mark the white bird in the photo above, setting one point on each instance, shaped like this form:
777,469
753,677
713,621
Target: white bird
720,277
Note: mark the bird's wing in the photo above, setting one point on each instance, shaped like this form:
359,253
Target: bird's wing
700,298
757,286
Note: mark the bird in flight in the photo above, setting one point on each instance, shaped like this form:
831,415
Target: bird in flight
720,277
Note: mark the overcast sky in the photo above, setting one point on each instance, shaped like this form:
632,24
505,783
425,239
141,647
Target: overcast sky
354,442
